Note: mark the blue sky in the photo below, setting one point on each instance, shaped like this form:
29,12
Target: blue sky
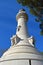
8,23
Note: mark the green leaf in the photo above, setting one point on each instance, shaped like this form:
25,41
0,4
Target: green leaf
41,32
33,12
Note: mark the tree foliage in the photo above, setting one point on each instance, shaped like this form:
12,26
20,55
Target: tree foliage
36,9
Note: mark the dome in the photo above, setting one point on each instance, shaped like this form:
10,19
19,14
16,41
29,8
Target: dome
22,50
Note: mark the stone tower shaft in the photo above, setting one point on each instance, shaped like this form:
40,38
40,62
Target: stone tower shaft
22,18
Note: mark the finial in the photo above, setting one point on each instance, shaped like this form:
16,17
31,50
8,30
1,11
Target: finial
22,14
21,10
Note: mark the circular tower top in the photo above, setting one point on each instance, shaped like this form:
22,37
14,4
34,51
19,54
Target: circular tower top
22,14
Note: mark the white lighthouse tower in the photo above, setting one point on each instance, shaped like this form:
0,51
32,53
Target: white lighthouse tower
22,50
